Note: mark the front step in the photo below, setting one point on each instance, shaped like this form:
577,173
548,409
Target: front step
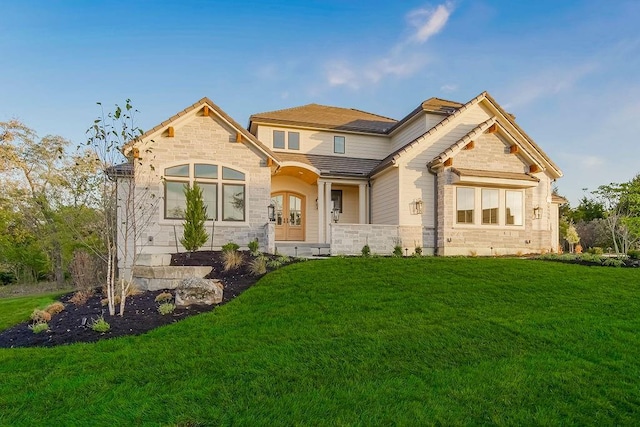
303,249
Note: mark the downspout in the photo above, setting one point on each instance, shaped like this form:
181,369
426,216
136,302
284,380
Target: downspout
370,202
435,210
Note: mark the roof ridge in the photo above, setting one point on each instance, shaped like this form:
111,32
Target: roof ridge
373,114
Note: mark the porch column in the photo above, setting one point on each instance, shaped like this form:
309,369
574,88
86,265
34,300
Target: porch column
362,209
327,210
321,211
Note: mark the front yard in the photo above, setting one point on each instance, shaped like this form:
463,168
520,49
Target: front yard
360,341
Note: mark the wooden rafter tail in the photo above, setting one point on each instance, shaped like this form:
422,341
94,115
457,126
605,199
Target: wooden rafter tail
534,169
238,137
513,149
448,162
205,111
493,128
171,131
470,146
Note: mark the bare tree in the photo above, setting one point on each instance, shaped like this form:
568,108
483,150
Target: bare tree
125,197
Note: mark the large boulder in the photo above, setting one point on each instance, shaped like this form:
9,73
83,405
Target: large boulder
194,290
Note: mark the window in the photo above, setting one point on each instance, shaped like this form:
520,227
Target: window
465,202
513,207
336,198
338,144
294,140
230,183
278,139
490,206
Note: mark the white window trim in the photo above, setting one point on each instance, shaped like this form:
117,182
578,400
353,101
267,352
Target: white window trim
477,212
192,162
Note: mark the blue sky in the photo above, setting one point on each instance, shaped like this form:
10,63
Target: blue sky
569,71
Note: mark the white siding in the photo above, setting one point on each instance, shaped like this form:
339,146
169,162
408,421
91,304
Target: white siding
321,142
414,128
384,198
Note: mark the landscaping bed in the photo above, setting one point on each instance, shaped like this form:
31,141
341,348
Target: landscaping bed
141,311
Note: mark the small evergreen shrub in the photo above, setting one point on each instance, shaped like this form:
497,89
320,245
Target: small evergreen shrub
164,297
194,234
254,247
284,259
274,264
39,327
100,325
232,260
55,308
366,251
258,266
418,251
166,308
230,247
40,316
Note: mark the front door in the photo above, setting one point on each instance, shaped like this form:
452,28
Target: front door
289,215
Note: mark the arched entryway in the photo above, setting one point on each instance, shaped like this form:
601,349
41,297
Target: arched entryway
290,215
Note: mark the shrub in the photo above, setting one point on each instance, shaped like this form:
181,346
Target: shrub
274,264
283,259
83,271
634,254
613,262
81,297
578,248
100,325
7,278
591,258
596,250
166,308
418,251
258,266
116,300
40,316
164,297
232,260
397,251
230,247
254,247
39,327
366,251
473,254
55,308
134,290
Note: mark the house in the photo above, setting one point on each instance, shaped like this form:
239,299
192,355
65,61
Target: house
450,178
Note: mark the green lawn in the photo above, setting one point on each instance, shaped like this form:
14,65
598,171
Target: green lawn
362,342
17,309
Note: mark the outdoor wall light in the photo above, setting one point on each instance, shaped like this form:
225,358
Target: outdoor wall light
271,209
537,212
527,242
335,214
417,207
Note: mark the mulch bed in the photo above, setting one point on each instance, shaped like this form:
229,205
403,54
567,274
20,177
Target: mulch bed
141,311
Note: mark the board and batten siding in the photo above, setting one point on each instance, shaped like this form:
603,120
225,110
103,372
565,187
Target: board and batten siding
384,198
321,142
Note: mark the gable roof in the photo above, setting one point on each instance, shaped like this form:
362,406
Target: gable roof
327,117
224,116
431,106
393,157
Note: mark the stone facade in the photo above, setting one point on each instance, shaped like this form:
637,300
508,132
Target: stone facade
348,239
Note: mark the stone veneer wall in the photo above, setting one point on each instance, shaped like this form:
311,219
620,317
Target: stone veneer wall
348,239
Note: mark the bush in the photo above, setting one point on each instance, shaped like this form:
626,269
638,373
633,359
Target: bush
230,247
418,251
55,308
7,278
366,251
274,264
81,297
116,300
258,266
613,262
100,325
254,247
39,327
166,308
397,251
283,259
164,297
596,250
83,271
634,254
40,316
232,260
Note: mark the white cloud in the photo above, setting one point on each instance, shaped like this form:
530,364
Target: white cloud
402,60
429,22
448,88
591,161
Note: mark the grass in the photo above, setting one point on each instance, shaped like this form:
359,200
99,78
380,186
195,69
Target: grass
362,342
18,309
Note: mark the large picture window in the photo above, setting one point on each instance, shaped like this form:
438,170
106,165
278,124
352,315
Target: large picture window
490,206
465,202
230,183
513,207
